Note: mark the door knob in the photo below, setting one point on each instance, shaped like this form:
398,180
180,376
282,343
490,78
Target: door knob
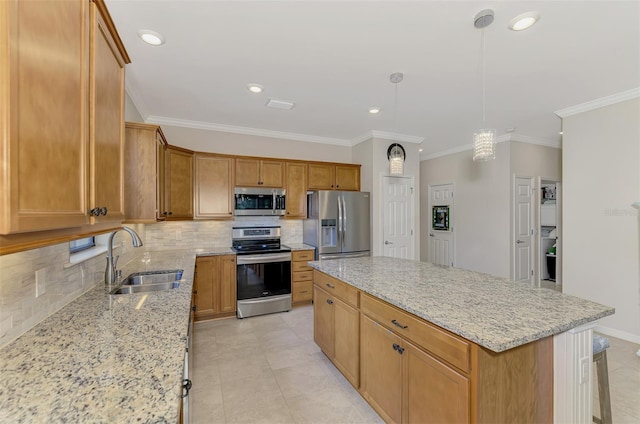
388,242
431,235
520,241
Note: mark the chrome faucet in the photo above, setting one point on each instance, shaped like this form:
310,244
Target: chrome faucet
110,272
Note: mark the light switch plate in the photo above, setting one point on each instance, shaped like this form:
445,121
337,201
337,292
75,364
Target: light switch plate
41,276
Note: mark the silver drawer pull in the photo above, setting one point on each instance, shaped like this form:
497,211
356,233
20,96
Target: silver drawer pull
397,324
330,286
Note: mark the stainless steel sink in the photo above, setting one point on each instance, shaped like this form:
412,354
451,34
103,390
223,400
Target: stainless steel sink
152,277
145,288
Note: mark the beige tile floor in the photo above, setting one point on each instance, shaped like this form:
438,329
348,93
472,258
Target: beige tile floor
267,369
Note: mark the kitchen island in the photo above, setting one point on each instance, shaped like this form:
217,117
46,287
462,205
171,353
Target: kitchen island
501,351
105,358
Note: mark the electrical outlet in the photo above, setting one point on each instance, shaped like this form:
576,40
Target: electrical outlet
584,370
41,276
178,235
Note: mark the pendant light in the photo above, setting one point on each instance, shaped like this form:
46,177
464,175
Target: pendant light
484,141
396,153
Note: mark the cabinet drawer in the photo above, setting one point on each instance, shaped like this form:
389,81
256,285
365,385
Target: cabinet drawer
344,291
302,291
428,336
302,276
302,255
300,266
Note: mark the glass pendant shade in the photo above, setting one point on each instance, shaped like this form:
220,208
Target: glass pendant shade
396,166
484,145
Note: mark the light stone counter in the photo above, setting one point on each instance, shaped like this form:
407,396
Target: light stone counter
103,358
493,312
299,246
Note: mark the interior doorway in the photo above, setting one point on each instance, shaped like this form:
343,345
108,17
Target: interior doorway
441,218
398,217
523,229
550,249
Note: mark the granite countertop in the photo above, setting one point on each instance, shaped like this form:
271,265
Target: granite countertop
299,246
493,312
102,358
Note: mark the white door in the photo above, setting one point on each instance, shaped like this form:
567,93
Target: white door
398,234
441,241
523,230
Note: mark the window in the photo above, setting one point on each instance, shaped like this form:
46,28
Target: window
79,245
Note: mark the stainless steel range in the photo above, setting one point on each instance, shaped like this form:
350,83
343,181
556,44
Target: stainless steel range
263,273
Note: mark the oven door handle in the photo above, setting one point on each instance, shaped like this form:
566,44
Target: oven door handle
263,258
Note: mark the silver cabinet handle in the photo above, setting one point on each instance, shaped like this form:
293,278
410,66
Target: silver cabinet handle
330,286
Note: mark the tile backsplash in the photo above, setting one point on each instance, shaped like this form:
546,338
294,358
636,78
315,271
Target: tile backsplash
21,310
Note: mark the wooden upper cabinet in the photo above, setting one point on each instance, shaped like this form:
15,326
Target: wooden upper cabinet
259,173
59,105
331,176
296,190
348,177
107,122
144,161
45,117
213,186
178,183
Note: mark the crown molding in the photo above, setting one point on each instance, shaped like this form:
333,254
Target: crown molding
501,139
211,126
598,103
396,137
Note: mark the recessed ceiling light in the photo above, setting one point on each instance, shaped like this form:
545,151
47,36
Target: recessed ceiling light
524,21
255,88
151,37
374,110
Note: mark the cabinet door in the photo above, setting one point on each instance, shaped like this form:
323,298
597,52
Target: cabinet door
179,183
228,299
271,173
346,349
321,176
160,180
348,177
207,286
107,122
381,378
247,172
44,148
296,200
434,392
323,323
214,186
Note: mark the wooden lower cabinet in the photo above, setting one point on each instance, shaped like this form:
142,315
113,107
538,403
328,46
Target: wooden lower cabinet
215,286
381,378
301,276
337,332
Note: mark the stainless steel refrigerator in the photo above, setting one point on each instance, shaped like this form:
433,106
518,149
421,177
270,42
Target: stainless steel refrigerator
338,223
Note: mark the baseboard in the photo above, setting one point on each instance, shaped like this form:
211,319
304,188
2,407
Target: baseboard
633,338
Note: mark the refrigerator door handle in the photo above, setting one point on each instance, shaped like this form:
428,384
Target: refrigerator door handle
344,220
340,233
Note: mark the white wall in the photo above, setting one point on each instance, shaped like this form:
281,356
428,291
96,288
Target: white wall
252,145
131,113
601,164
372,154
481,212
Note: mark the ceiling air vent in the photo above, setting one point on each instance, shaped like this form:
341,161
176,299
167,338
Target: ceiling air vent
280,104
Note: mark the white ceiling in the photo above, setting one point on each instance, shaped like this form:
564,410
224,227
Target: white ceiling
334,58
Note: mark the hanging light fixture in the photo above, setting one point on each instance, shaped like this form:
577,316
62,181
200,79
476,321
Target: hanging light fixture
396,153
484,141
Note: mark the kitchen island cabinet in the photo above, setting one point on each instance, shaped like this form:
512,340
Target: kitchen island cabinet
460,346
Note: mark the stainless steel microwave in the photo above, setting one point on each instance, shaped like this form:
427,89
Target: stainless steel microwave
250,201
